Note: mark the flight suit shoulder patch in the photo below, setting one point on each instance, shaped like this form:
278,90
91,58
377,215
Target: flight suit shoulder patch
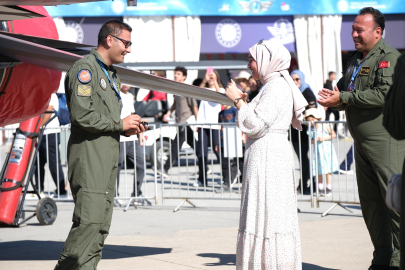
84,90
84,76
384,64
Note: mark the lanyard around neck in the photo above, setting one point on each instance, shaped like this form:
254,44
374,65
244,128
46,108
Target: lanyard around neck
108,77
356,71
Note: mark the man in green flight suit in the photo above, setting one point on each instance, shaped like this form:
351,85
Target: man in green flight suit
394,111
94,104
361,93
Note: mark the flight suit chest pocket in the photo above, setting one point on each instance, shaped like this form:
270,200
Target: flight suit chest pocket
91,206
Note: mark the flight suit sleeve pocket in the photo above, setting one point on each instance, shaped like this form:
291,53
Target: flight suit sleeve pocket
92,206
386,76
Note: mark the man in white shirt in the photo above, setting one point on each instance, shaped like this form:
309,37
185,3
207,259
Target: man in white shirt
50,141
127,149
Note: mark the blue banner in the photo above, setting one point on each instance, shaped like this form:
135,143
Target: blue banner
224,8
238,34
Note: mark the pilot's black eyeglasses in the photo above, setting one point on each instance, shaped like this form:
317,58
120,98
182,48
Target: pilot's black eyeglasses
127,43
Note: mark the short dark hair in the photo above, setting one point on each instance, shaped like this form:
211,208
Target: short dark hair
197,82
331,72
378,17
182,69
113,28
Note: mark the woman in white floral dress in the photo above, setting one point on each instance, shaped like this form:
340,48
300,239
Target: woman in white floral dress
268,235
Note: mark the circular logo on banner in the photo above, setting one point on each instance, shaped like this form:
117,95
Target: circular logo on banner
74,32
228,33
103,83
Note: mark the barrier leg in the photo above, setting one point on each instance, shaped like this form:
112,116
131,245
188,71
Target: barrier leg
333,206
185,200
131,201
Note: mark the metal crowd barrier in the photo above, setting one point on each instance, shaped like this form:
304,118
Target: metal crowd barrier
182,177
180,182
344,187
128,175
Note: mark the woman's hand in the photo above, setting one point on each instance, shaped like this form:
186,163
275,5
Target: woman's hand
232,92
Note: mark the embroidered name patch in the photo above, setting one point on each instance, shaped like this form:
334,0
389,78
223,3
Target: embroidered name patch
84,90
365,70
84,76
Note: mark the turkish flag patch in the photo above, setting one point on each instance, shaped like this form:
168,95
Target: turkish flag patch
383,64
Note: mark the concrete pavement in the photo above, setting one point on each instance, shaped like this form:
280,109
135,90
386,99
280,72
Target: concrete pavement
154,237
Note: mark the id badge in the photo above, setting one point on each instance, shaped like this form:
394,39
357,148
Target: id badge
351,87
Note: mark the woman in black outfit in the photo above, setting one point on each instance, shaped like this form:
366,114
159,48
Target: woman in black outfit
299,79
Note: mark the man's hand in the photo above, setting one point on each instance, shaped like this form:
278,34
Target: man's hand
328,98
166,116
131,122
137,130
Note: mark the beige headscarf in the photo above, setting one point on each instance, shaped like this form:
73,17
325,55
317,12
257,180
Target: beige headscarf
273,59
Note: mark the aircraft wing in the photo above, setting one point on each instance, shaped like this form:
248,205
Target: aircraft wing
51,58
14,13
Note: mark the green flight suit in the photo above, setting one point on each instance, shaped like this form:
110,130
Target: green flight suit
364,111
93,160
394,111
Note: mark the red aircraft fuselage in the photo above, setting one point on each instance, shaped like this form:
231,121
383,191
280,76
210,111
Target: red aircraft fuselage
25,89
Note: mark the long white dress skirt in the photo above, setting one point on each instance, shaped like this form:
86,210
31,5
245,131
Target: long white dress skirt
268,236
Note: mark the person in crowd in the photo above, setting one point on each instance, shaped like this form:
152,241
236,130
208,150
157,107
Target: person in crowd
158,96
329,84
242,81
93,99
393,121
155,95
361,92
344,167
197,82
208,114
186,112
131,149
255,86
49,152
324,156
268,235
299,80
229,166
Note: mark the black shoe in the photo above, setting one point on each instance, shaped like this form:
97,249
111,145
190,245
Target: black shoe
305,191
61,192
